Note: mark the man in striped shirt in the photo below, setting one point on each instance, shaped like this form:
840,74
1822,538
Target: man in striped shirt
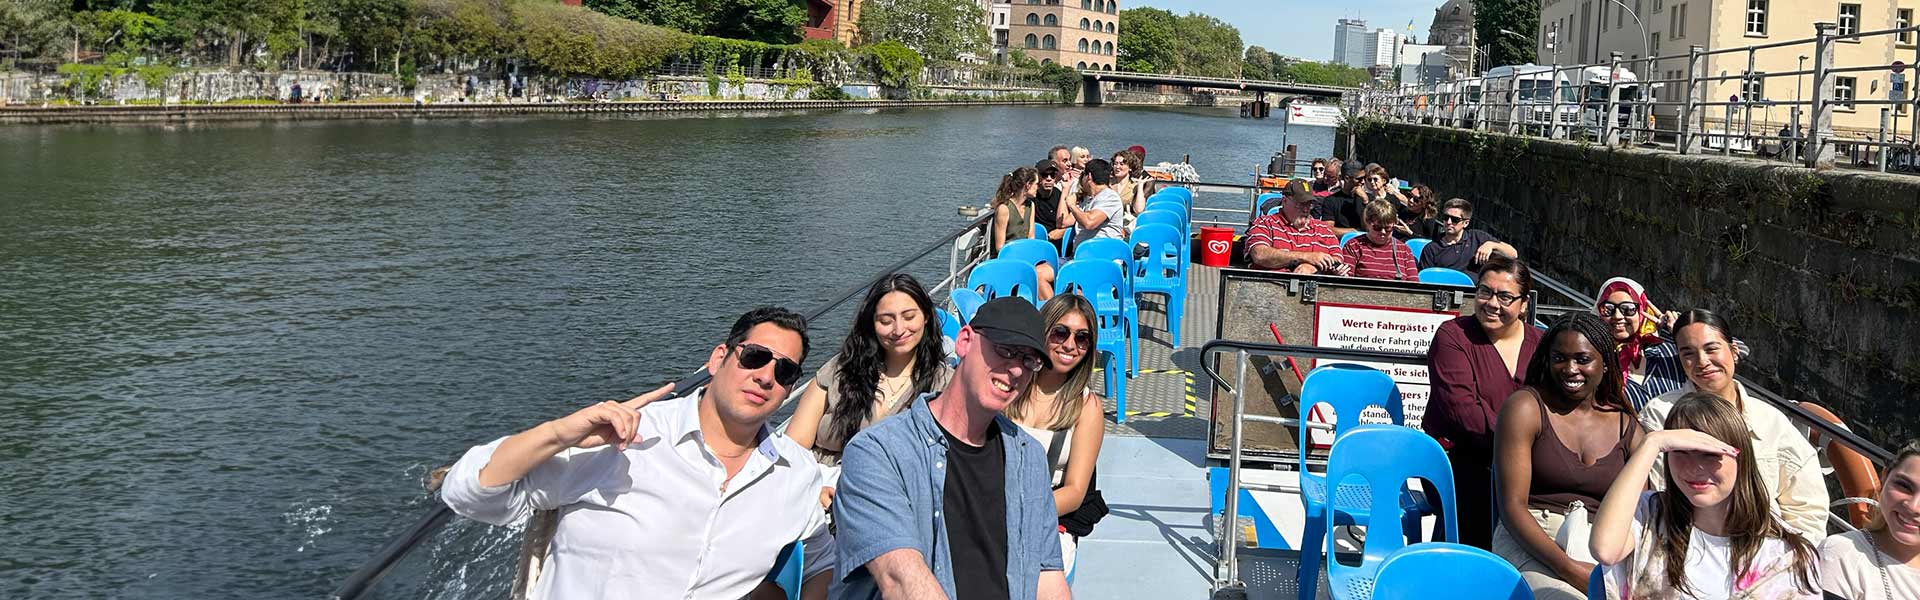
1290,240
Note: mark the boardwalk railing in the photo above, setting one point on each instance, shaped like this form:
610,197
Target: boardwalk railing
1699,101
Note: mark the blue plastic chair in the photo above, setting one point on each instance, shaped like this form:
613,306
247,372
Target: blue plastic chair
965,301
1120,252
1416,245
1385,456
1184,193
1163,271
1039,232
1003,277
1167,217
1446,276
1348,236
1104,286
788,569
949,331
1468,573
1263,198
1348,389
1597,584
1167,196
1032,252
1165,206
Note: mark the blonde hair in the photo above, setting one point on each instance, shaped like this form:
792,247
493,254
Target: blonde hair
1380,211
1071,395
1079,152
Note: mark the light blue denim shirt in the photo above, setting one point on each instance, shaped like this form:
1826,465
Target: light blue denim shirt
893,477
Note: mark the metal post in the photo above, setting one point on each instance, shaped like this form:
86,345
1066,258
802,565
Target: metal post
1820,131
1230,520
1750,80
1726,133
1553,120
1913,98
1884,128
1694,67
1513,103
1609,122
1793,145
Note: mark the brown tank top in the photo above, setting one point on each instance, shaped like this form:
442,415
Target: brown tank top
1559,478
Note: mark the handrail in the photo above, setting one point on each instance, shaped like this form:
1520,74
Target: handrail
383,562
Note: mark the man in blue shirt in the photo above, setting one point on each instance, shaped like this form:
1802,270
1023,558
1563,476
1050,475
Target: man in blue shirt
949,499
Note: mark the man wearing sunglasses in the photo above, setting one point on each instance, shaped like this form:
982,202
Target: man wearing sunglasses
688,497
1046,201
1458,247
950,499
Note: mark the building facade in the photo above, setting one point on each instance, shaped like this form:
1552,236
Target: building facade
1588,31
1075,33
1350,43
1453,27
999,28
1381,49
1422,64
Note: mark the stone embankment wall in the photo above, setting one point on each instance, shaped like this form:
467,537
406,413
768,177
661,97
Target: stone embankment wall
1818,271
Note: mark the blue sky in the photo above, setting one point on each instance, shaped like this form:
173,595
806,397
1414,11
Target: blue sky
1302,28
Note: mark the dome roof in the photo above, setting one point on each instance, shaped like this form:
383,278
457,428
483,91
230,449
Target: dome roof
1456,11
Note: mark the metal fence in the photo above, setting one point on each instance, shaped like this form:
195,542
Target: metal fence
1671,102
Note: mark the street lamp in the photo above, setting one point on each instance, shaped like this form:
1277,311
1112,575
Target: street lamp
1646,43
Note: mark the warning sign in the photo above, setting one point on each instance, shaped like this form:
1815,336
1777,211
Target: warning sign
1386,329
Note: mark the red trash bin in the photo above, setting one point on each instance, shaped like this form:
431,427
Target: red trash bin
1216,246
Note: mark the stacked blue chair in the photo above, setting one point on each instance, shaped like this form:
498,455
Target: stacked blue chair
788,569
1120,253
1468,573
1032,252
965,301
1348,236
949,331
1385,457
1348,389
1597,584
1163,217
1162,271
1416,245
1002,277
1104,286
1443,275
1186,221
1185,194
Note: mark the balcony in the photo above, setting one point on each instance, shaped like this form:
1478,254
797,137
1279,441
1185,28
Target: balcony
816,33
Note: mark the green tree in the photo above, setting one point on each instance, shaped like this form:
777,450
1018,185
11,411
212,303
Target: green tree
123,33
1491,16
770,21
937,29
31,28
894,64
1147,44
1258,63
1209,47
1316,73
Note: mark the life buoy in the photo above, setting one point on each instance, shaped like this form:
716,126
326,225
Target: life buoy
1857,476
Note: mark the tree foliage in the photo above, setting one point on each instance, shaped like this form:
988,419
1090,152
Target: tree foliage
937,29
770,21
32,27
1491,16
1157,41
894,64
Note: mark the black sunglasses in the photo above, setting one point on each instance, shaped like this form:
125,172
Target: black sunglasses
1028,358
1059,334
752,357
1628,308
1450,219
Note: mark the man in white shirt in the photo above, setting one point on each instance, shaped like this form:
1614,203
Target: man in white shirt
690,497
1099,215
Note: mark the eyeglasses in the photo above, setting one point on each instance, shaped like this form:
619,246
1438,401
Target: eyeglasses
1028,358
1485,293
1628,308
1450,219
753,356
1059,334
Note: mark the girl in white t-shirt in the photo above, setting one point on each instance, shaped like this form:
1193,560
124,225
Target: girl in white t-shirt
1882,561
1711,534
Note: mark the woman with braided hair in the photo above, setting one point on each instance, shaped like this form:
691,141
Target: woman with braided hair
1560,443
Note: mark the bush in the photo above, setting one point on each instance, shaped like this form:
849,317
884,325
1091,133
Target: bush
828,92
894,64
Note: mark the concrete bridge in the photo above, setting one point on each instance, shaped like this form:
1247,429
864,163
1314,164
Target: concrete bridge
1090,88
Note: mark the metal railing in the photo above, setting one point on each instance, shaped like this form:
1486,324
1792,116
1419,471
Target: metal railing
382,563
1698,101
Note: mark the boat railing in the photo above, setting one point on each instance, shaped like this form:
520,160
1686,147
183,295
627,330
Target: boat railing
964,247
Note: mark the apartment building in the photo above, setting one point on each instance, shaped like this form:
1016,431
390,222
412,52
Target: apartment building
1076,33
1350,43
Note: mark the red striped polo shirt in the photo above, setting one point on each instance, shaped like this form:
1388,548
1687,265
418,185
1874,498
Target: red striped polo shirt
1273,230
1392,261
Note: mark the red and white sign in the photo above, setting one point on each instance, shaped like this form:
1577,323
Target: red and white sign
1378,328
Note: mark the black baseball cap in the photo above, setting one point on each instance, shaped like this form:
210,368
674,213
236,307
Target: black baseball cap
1012,321
1046,167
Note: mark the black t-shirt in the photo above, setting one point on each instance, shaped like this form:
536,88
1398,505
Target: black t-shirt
1045,205
1457,256
975,503
1417,221
1342,210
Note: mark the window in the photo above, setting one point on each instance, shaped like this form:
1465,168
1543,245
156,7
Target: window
1843,93
1033,41
1903,19
1753,88
1033,18
1047,43
1084,25
1109,27
1109,48
1113,8
1053,21
1849,19
1658,4
1604,7
1046,61
1082,46
1757,18
1097,26
1080,65
1683,20
1654,46
1100,5
1086,4
1620,17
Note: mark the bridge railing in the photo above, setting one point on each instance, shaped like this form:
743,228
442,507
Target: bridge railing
1700,101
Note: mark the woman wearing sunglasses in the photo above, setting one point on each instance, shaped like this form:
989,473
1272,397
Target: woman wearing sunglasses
1061,411
1650,363
891,355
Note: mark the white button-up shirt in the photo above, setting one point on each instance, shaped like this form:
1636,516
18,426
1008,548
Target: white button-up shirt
658,520
1788,464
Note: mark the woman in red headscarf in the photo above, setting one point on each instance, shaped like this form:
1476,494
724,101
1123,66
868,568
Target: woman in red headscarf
1649,362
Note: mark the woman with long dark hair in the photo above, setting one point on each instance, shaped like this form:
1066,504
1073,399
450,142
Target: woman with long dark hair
1712,532
1561,442
1789,468
891,355
1013,207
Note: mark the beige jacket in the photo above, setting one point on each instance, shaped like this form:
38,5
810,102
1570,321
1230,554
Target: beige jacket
1788,464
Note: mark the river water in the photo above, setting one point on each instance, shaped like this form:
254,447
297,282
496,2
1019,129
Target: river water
230,352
